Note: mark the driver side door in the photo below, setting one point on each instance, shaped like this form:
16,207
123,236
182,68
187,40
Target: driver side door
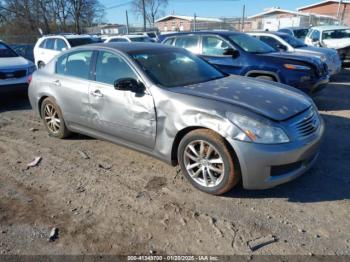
213,50
122,114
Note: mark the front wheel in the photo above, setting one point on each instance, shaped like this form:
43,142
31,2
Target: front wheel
207,162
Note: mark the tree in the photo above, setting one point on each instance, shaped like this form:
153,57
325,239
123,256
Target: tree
154,9
27,16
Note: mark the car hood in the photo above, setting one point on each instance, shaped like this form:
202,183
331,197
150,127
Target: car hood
294,56
319,50
336,43
14,62
272,100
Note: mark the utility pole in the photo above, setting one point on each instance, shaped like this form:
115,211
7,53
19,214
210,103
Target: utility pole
144,15
195,22
243,17
338,13
127,21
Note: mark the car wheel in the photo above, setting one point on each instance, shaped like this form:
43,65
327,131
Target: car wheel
269,78
41,64
53,119
207,162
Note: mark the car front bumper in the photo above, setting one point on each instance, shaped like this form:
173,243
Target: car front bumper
265,166
14,88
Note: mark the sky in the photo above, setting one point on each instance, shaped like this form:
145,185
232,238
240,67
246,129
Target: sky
206,8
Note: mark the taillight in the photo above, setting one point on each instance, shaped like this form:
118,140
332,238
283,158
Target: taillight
29,79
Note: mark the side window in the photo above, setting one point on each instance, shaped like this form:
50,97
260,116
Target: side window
118,40
50,43
43,44
169,41
75,64
188,42
214,46
60,44
270,41
315,36
111,67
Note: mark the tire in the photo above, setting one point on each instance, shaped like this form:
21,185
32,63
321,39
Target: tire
51,112
269,78
224,161
41,64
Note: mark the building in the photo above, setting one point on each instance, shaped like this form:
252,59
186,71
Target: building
172,23
275,18
338,9
106,29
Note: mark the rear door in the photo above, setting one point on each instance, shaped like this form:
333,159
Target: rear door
72,80
126,115
213,50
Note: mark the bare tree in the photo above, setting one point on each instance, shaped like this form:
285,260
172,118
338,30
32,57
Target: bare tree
154,9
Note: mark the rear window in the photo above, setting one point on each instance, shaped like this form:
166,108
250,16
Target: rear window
80,41
6,51
301,33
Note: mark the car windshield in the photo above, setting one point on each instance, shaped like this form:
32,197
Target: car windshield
251,44
6,51
171,68
300,33
336,34
294,42
141,39
80,41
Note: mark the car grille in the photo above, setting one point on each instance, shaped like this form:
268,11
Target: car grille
307,125
13,74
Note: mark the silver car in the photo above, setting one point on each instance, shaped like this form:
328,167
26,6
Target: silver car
166,102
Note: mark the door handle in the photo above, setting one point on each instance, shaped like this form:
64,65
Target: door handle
97,93
57,83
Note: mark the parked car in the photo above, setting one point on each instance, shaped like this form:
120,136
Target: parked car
25,50
128,39
241,54
337,37
14,70
288,43
298,32
171,104
47,47
151,34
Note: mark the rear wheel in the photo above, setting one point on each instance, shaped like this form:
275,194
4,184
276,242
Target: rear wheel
207,162
41,64
53,119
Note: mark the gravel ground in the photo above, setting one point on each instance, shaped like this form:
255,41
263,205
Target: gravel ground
122,202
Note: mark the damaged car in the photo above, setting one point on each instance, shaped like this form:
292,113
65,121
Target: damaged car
175,106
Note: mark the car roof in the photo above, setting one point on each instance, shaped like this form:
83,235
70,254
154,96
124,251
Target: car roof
330,27
67,36
295,27
269,33
132,47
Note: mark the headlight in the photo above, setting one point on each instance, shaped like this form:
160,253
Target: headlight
251,130
296,67
31,69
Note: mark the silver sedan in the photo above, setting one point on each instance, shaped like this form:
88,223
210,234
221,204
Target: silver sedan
168,103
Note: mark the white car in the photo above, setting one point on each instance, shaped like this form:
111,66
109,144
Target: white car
15,70
337,37
47,47
128,39
287,43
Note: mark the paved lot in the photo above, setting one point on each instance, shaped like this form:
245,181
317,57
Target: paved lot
119,201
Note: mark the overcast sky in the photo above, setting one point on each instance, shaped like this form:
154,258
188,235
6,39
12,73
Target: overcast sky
207,8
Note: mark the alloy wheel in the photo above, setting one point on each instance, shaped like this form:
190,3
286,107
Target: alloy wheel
204,163
52,118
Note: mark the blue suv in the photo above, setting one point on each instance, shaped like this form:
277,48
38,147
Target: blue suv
240,54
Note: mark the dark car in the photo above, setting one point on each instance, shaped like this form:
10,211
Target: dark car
25,50
241,54
297,32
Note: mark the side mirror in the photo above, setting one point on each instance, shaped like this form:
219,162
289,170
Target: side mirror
232,52
128,84
281,47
